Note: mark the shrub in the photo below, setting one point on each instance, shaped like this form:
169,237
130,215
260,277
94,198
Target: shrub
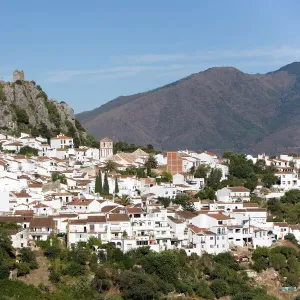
4,272
23,269
220,288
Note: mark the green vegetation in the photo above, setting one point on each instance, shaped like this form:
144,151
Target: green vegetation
98,183
126,147
61,177
105,185
151,163
20,114
28,151
116,186
287,207
283,259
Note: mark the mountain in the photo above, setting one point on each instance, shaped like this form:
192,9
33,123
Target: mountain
25,107
218,109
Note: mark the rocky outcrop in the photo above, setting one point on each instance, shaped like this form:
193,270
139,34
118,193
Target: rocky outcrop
25,107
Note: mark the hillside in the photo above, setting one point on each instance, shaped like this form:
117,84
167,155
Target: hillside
25,107
220,108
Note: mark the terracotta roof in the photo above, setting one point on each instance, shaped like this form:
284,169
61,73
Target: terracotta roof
108,208
35,185
42,222
22,195
281,224
15,219
61,137
210,153
117,218
96,219
134,210
186,214
219,216
78,221
176,221
238,189
106,139
24,212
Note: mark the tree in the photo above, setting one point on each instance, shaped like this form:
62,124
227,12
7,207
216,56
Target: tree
213,179
61,177
277,261
292,197
166,176
164,201
201,172
181,199
116,186
109,166
4,271
206,193
29,257
23,269
101,281
136,286
220,288
192,170
105,184
291,237
189,206
269,179
151,163
125,200
28,151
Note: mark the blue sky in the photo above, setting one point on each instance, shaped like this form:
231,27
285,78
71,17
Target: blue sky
89,52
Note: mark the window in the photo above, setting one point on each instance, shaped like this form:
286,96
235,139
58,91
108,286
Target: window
22,245
21,236
223,246
211,246
217,238
211,238
223,237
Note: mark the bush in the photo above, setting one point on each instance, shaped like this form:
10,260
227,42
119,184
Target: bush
74,269
277,261
28,256
292,279
204,291
260,264
23,269
220,288
4,272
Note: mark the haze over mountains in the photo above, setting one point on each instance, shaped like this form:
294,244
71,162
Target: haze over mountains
218,109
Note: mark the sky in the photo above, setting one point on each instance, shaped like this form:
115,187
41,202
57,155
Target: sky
87,53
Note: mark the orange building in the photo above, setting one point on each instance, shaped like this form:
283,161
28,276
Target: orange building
174,164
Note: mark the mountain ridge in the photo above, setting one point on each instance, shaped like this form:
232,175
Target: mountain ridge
220,108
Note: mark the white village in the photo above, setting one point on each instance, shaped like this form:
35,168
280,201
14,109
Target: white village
79,193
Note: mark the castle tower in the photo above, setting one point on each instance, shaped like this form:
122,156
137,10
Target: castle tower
18,75
106,148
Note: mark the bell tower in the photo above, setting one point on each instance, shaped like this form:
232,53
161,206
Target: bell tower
106,148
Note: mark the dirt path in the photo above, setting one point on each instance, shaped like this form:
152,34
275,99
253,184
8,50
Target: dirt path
39,275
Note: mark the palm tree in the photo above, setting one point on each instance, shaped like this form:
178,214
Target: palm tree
110,166
125,200
192,170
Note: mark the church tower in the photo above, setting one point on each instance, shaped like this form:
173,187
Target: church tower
106,148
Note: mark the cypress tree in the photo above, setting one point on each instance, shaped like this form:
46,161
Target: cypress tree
97,184
116,186
105,184
100,182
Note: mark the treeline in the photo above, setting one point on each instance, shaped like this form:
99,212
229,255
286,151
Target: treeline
130,147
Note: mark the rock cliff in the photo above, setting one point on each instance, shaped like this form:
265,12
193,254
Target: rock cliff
25,107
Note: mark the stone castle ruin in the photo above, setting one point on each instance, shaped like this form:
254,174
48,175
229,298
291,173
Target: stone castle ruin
18,75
